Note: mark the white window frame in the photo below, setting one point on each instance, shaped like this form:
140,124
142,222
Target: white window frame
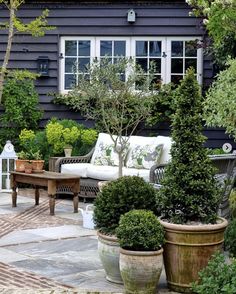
130,52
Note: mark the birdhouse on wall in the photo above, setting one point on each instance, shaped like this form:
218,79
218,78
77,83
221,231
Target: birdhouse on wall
7,164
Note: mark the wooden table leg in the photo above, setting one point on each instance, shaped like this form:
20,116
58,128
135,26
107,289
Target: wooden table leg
75,190
52,204
36,195
52,195
14,193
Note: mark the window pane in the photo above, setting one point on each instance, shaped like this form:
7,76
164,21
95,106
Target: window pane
69,81
84,48
4,165
142,62
71,48
190,48
156,82
176,79
70,65
106,48
191,62
141,48
155,48
119,48
176,48
177,65
83,63
157,63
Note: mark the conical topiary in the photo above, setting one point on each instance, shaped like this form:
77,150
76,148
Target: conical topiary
189,191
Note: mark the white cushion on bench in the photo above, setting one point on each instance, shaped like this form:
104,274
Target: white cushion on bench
165,154
102,172
79,169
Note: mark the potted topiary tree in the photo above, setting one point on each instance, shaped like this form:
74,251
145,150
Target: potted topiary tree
189,198
141,237
116,198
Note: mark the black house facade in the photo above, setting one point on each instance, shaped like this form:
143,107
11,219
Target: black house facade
159,31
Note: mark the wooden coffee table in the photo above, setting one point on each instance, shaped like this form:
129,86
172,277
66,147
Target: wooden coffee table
51,180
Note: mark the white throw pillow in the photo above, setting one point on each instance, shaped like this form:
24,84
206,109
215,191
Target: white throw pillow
144,157
106,155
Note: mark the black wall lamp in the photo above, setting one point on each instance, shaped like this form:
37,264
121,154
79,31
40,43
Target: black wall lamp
43,66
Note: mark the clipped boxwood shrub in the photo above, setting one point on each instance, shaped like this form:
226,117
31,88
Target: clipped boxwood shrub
230,237
140,230
120,196
218,277
189,192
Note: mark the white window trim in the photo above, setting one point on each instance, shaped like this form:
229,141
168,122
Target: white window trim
130,52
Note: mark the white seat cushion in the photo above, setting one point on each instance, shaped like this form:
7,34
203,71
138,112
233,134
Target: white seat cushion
102,172
79,169
143,173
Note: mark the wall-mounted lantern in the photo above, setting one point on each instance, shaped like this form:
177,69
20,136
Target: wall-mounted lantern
7,164
131,16
43,66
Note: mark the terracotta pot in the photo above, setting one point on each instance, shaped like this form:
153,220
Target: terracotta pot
20,165
37,165
109,253
188,249
141,270
28,167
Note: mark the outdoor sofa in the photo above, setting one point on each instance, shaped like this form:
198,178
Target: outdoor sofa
101,163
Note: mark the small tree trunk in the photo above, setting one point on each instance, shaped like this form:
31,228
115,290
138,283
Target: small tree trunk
8,50
120,174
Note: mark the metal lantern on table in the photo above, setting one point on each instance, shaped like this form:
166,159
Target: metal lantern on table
7,164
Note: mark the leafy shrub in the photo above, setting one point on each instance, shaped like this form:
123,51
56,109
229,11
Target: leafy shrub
140,230
20,102
232,203
163,104
64,132
230,237
120,196
189,191
218,277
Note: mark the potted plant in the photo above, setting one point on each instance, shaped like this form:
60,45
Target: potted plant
189,197
141,237
116,198
30,150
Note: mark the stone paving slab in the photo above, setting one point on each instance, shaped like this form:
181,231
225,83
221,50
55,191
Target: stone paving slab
55,250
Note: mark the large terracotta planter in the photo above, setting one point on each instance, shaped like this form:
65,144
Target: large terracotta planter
109,253
141,270
188,249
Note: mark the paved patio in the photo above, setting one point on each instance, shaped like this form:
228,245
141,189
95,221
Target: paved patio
40,253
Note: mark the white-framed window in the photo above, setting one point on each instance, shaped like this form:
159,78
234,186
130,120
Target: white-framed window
171,56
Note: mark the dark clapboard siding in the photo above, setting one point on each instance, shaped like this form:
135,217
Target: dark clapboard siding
98,18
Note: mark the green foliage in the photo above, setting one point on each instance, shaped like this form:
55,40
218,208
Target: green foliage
189,191
36,27
109,99
140,230
28,143
217,278
220,20
120,196
230,237
61,133
220,104
215,151
163,104
232,203
20,101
